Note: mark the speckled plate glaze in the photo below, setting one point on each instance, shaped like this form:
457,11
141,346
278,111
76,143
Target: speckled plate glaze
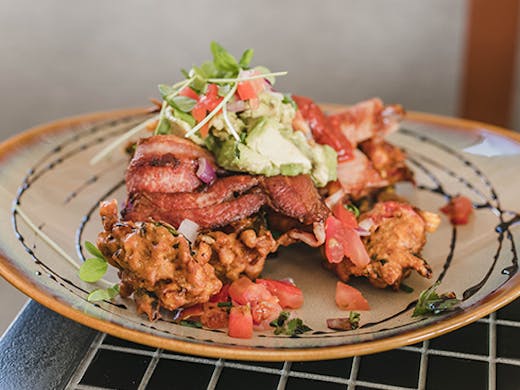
46,171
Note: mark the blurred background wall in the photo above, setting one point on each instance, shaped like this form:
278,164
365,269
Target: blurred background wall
61,58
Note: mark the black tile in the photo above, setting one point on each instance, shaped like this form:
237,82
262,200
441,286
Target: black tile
508,377
304,384
510,312
177,374
469,339
508,341
398,368
456,374
339,367
111,340
117,370
232,378
275,365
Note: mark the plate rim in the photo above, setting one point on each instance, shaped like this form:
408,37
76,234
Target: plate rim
492,302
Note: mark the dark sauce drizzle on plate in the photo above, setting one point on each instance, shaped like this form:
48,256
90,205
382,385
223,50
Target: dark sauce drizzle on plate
503,228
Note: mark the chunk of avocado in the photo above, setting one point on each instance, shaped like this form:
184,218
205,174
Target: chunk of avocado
267,140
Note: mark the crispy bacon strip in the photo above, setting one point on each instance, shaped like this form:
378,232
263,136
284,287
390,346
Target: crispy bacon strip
166,163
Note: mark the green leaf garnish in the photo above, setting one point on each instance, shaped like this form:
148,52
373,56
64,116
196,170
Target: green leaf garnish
223,60
163,127
246,58
288,327
103,294
93,250
182,103
431,303
94,268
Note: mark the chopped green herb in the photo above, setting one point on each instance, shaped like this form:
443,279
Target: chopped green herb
103,294
291,327
169,227
383,261
354,318
94,268
287,99
191,324
346,323
431,303
406,288
280,321
353,209
224,304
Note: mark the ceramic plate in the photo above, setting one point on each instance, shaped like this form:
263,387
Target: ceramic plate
46,172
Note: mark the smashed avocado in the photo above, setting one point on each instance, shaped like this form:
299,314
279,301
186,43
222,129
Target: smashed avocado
269,146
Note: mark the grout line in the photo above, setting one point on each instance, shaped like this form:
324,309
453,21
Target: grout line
248,367
423,368
87,387
381,386
512,362
191,359
85,363
150,369
353,373
492,369
515,324
216,374
461,355
318,377
133,351
284,375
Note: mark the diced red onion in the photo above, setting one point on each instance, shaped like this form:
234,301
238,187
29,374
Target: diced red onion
188,229
362,232
236,106
366,224
334,198
288,280
339,323
205,171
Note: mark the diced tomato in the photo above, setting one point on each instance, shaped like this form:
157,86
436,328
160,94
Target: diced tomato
289,296
192,311
324,131
251,88
211,99
199,113
346,217
222,295
240,322
244,291
264,312
334,240
343,240
188,92
354,248
349,298
458,210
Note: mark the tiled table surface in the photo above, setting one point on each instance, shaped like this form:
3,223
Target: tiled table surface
483,355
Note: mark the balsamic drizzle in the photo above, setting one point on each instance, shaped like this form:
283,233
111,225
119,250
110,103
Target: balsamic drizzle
503,228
